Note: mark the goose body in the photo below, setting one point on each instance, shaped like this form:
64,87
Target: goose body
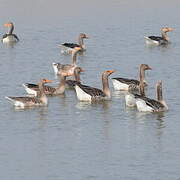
67,48
9,37
145,104
40,100
125,84
67,69
33,89
159,40
87,93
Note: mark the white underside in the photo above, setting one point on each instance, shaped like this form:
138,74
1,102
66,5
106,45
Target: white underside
55,68
150,41
81,95
120,86
130,100
9,39
142,106
66,50
29,90
16,103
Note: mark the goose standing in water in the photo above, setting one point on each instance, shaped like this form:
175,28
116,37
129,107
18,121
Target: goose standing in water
145,104
40,100
159,40
68,47
67,69
87,93
125,84
9,37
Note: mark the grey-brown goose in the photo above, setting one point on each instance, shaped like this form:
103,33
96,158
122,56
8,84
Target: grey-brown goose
9,37
125,84
68,47
87,93
145,104
40,100
67,69
159,40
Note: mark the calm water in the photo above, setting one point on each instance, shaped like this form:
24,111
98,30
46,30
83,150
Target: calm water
82,141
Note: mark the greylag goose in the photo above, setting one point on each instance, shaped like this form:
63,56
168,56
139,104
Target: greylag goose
87,93
145,104
68,47
67,69
40,100
159,40
71,83
9,37
125,84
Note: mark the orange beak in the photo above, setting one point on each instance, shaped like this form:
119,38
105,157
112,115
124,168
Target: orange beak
111,71
47,81
171,29
7,25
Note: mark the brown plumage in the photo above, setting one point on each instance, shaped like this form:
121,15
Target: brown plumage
87,93
68,47
131,84
40,100
67,69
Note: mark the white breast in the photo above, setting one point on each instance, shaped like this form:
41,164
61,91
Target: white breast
142,106
120,86
81,95
55,68
9,39
130,100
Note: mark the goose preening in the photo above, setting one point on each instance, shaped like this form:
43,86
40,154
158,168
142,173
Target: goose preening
71,83
68,47
159,40
40,100
9,37
67,69
87,93
125,84
145,104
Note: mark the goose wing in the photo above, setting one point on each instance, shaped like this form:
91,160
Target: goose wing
15,36
94,92
156,105
25,100
127,81
156,38
71,45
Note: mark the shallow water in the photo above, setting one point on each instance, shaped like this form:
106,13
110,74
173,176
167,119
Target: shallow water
75,140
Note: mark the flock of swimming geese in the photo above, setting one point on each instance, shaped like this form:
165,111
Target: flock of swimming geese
136,88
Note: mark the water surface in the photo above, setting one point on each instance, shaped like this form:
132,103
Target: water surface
74,140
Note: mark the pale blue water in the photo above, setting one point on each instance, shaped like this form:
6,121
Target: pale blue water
73,140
